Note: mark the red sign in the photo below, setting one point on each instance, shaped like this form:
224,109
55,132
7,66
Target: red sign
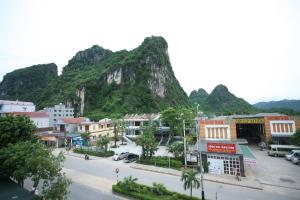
221,148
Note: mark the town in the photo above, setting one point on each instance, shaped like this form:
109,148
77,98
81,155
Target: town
230,151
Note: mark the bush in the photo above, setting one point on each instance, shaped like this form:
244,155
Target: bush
162,162
94,153
143,192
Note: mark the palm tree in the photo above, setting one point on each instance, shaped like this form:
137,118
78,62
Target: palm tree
190,180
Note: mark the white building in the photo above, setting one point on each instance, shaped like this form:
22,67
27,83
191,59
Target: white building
59,112
15,106
40,119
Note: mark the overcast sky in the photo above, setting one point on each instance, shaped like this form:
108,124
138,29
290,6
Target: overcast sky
252,47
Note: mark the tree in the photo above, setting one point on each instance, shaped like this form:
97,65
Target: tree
170,117
147,141
86,137
295,139
102,142
21,157
190,180
31,160
16,128
176,149
118,128
174,119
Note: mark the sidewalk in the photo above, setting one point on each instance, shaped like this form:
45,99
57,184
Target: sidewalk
249,181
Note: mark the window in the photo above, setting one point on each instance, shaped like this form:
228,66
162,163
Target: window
108,125
59,115
54,110
54,115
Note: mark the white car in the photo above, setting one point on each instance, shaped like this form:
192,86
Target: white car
120,156
290,155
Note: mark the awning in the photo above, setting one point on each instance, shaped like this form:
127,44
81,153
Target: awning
249,157
49,138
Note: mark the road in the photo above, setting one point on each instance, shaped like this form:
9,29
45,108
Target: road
92,179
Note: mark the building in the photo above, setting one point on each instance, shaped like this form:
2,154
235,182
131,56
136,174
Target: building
224,139
266,127
39,119
57,112
134,126
15,106
103,127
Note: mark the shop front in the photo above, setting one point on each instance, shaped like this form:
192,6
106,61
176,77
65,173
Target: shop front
225,157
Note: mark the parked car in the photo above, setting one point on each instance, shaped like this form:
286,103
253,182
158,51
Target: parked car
296,158
131,157
281,150
120,156
291,154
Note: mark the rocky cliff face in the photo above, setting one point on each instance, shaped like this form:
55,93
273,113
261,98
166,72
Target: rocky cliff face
97,81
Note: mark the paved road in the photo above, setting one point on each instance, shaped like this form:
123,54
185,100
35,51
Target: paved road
95,177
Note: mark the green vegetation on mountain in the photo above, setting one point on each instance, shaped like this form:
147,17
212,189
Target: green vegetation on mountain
98,82
286,105
27,84
220,102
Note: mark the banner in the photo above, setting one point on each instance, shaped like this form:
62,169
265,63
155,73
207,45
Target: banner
250,121
221,148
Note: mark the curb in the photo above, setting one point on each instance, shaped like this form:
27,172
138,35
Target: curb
282,186
211,180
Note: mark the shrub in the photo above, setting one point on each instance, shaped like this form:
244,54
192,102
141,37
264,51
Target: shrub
162,162
144,192
159,189
94,153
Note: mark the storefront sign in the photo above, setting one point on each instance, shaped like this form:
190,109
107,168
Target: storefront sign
250,121
221,148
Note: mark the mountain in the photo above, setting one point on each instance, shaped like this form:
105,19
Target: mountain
98,82
220,101
283,104
27,83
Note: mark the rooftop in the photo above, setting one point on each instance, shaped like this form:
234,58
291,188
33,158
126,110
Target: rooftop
31,114
23,103
141,117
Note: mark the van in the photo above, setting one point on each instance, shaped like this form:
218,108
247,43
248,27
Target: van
281,150
291,154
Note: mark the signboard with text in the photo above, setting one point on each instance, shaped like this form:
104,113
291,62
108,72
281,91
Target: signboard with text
221,148
250,121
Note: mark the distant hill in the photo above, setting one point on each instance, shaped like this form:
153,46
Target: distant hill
283,104
98,82
220,101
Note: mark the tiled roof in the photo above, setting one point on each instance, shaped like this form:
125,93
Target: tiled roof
74,120
31,114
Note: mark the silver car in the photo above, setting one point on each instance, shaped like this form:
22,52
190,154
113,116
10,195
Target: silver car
291,154
120,156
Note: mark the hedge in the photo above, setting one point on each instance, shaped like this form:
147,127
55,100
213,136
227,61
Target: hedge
162,162
94,153
143,192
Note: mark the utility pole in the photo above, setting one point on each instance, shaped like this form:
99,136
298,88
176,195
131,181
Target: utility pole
184,144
